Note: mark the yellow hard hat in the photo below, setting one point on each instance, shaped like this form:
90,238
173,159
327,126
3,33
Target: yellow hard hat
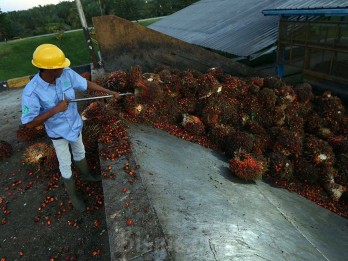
49,56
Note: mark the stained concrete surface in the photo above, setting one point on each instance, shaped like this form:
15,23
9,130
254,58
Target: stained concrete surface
207,214
10,114
144,240
199,211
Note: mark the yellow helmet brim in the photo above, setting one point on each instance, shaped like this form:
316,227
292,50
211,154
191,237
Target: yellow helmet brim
65,64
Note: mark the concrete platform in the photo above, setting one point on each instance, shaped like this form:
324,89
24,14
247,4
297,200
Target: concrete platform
195,208
202,212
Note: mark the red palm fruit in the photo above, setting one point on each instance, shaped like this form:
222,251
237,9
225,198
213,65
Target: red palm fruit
248,166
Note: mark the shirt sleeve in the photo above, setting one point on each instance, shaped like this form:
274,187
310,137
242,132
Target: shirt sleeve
77,81
30,108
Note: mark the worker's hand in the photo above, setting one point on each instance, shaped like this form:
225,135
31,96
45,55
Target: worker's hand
62,106
116,95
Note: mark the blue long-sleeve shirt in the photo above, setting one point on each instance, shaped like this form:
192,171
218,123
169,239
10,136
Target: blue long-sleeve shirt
39,96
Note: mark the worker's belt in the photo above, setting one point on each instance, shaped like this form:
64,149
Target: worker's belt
59,138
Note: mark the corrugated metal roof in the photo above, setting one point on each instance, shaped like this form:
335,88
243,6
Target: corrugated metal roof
233,26
311,4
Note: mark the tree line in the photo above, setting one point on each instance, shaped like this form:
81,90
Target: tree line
64,16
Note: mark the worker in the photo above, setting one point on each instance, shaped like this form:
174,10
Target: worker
45,100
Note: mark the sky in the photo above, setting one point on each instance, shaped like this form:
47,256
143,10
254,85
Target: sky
17,5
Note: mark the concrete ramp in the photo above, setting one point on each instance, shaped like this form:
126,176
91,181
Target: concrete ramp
124,44
207,214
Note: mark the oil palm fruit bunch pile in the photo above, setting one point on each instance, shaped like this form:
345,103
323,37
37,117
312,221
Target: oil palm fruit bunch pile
263,125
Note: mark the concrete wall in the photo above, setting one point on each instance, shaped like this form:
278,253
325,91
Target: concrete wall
124,44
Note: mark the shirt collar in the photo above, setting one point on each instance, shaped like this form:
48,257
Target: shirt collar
41,82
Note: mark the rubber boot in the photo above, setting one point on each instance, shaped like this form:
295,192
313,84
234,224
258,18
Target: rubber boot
75,198
85,172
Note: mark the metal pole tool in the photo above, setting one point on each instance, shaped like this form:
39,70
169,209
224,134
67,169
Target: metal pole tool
97,97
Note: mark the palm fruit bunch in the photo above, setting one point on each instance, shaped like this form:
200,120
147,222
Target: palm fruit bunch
170,80
288,142
248,166
170,109
96,112
218,133
258,81
293,120
328,174
321,155
193,124
332,111
39,155
216,72
262,139
230,111
5,149
303,92
250,108
90,134
272,82
117,81
281,166
314,124
238,141
306,171
318,151
234,87
187,84
211,115
207,85
32,134
149,89
264,115
134,76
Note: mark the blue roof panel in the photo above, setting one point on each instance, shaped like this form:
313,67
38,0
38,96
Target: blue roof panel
310,7
311,4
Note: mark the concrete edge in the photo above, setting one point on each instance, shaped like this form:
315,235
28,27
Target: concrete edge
125,197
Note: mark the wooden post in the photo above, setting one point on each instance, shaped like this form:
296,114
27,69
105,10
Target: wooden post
281,47
87,35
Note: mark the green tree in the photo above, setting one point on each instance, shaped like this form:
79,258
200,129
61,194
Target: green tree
91,9
5,27
164,7
128,9
64,16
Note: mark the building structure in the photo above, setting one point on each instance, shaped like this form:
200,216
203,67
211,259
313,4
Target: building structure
310,37
313,39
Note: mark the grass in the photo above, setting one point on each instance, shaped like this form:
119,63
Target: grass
16,55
